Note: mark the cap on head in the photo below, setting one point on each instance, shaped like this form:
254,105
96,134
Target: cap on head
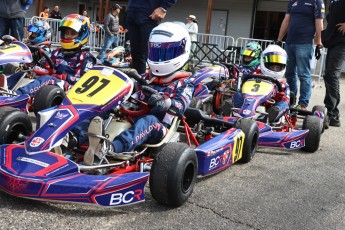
192,17
116,6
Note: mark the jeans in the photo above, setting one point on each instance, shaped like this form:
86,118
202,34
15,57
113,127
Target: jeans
298,64
16,26
334,62
139,33
109,42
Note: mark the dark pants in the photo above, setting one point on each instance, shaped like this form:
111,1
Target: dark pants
16,25
139,33
334,63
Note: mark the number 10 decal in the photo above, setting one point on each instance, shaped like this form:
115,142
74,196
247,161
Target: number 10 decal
89,83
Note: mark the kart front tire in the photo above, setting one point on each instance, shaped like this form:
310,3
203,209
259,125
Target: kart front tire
323,110
251,131
312,141
14,126
48,96
173,174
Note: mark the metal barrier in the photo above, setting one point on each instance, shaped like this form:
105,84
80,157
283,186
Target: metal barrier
96,37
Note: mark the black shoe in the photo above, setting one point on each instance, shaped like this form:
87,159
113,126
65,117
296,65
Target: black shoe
334,121
273,112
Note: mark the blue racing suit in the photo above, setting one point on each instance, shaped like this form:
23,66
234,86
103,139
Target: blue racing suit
153,127
67,71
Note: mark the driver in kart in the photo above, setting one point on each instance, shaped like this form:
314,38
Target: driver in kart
70,61
38,32
273,64
169,48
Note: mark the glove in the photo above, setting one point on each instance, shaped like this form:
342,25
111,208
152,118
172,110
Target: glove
279,43
159,102
318,50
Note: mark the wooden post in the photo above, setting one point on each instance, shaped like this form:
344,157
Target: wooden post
100,11
209,16
107,7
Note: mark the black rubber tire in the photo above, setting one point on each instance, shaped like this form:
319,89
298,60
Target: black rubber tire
10,69
48,96
173,174
324,110
14,123
312,141
251,131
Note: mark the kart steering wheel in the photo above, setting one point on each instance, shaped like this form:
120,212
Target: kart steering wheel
40,51
263,77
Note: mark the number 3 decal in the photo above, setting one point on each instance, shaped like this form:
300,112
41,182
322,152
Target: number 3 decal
89,83
255,88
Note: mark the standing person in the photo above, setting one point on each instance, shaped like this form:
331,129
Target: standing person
111,28
45,12
192,27
142,17
303,20
55,13
12,16
334,59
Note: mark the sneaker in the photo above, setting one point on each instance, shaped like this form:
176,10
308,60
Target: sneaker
273,112
95,132
334,121
301,107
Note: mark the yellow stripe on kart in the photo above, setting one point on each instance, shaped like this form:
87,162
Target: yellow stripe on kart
254,88
96,87
12,48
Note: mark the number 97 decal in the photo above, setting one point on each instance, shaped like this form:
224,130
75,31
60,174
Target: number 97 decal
238,147
89,86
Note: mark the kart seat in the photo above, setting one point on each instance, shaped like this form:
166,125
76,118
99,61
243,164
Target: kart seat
194,116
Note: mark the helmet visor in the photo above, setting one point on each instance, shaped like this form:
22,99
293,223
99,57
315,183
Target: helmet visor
249,53
274,58
159,52
34,29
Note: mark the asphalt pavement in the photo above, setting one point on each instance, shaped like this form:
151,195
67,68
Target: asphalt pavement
277,190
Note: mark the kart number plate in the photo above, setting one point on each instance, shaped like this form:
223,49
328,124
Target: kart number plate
238,147
252,87
96,87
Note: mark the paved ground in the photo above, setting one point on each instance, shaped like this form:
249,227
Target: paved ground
276,190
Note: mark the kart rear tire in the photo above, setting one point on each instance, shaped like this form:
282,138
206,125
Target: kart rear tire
15,125
312,141
251,131
173,174
48,96
323,110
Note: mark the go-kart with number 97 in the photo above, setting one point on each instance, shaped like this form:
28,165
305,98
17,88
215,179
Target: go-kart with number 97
45,168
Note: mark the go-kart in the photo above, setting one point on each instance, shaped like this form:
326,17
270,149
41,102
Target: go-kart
15,123
258,96
44,168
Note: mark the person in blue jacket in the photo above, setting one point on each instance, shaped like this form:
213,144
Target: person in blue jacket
142,17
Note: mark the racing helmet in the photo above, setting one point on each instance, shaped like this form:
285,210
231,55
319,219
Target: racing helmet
252,50
169,48
40,32
78,23
273,61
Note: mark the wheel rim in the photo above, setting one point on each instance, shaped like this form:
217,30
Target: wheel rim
188,177
14,132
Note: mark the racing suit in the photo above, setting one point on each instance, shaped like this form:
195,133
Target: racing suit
67,71
282,100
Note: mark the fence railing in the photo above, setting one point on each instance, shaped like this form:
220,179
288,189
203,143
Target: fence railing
210,48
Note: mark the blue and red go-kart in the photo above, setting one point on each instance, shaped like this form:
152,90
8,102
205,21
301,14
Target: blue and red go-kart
258,95
43,168
15,124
